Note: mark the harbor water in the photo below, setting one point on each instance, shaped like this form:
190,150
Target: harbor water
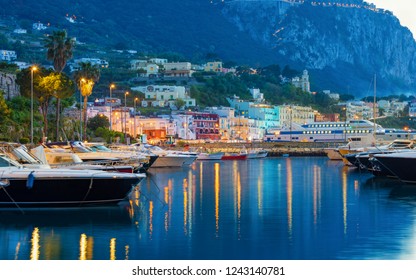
294,208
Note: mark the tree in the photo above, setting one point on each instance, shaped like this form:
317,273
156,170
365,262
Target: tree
59,51
98,121
4,109
85,78
179,103
47,87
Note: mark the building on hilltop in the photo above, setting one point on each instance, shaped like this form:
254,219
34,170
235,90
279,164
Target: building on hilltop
302,82
257,95
138,64
76,64
160,61
178,69
7,55
38,26
163,95
215,66
20,31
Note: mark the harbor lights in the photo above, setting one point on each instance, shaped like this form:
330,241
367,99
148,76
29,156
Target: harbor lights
111,105
33,69
125,115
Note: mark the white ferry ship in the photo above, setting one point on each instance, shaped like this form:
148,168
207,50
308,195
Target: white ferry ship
334,132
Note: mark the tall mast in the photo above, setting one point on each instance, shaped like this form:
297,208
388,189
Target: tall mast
374,106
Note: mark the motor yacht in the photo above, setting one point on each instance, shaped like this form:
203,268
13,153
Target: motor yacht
30,186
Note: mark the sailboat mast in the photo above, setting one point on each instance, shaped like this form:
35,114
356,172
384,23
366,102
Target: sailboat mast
374,106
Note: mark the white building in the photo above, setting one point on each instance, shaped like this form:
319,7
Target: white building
412,109
38,26
160,61
361,110
152,70
7,55
257,95
94,62
295,114
162,95
170,66
22,65
137,64
302,82
225,114
20,31
331,95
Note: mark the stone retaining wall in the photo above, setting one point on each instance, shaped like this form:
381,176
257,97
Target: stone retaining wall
274,149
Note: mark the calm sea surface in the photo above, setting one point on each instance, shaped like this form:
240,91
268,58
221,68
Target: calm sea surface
275,208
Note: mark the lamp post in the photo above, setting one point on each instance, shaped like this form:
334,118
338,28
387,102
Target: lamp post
134,116
290,116
345,123
125,115
82,80
111,105
33,69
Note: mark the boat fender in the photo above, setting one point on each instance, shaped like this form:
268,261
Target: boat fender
4,183
30,180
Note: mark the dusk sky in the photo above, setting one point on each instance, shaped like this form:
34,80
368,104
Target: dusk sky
404,10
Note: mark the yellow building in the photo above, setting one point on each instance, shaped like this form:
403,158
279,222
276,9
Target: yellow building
215,66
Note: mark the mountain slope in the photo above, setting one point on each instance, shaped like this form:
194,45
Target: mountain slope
342,45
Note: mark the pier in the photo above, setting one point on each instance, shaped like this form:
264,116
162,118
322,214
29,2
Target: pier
274,149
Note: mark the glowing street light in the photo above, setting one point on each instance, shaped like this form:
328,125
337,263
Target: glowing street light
82,80
33,69
134,116
125,115
111,105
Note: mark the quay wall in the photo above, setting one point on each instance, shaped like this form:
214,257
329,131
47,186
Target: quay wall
274,149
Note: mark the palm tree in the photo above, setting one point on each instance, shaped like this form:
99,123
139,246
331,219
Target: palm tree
85,78
59,51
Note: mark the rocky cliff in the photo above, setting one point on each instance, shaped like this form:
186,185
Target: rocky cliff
343,44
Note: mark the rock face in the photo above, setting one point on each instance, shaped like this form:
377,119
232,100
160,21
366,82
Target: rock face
342,43
348,42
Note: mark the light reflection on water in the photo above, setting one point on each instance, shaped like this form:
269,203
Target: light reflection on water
274,208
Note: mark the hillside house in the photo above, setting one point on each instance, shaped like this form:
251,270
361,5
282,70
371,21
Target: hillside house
7,55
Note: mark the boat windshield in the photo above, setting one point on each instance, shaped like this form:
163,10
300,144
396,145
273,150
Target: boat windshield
81,149
5,161
99,148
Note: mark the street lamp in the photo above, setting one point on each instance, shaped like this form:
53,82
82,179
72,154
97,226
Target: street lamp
33,69
290,116
134,116
111,105
345,123
125,115
82,80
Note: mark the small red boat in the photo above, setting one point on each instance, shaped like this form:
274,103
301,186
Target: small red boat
234,156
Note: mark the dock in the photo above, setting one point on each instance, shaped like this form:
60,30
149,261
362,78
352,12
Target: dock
274,149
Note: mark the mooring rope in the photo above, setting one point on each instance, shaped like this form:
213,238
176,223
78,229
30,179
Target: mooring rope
89,188
11,198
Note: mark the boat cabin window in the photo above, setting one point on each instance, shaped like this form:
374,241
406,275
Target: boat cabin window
5,162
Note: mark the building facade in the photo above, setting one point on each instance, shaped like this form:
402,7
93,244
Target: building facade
205,125
214,66
302,82
7,55
163,95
